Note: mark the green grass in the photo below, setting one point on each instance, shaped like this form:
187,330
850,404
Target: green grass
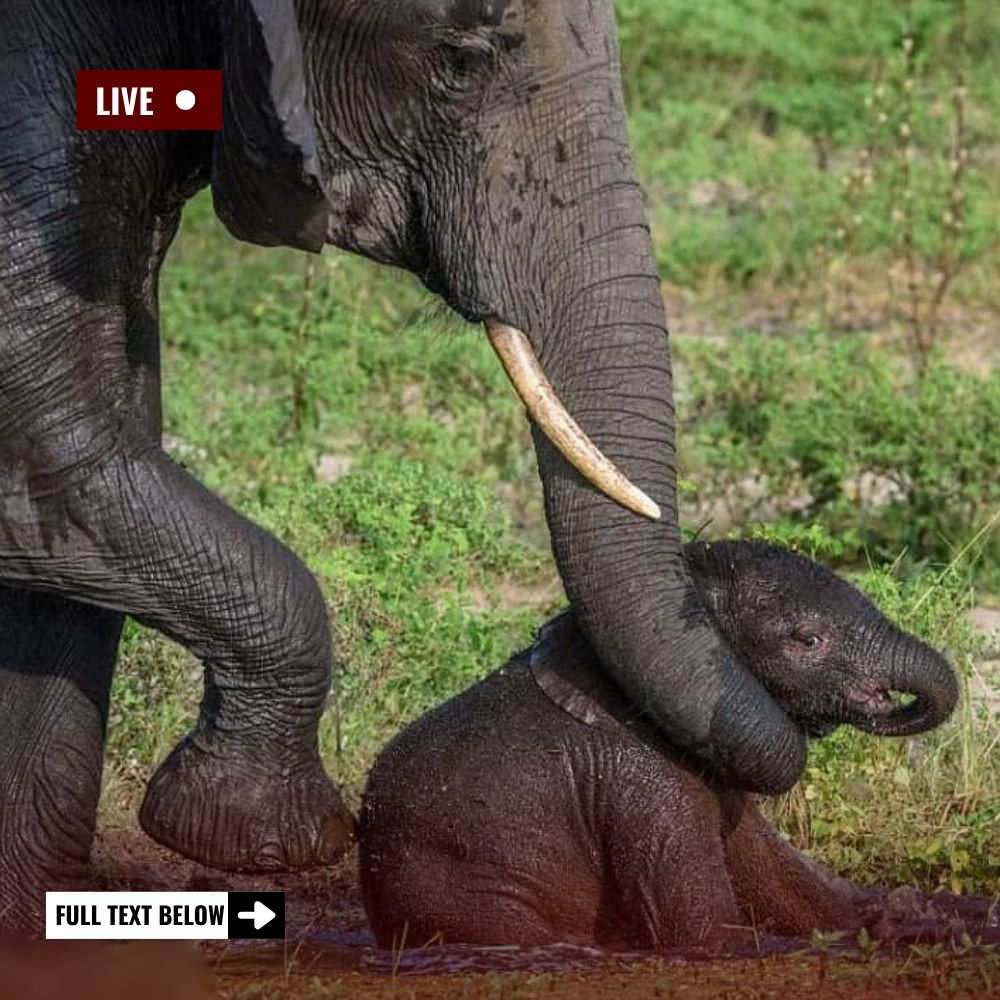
835,432
750,119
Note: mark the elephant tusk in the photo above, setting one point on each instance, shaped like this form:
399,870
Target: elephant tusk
546,409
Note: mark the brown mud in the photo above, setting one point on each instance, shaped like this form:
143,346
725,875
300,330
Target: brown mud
941,945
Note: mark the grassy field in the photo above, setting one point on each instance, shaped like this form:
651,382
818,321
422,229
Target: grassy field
823,186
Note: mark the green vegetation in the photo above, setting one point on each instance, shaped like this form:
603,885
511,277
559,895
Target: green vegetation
830,260
824,430
799,143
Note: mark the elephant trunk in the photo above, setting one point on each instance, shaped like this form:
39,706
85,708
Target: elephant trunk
543,236
920,672
625,573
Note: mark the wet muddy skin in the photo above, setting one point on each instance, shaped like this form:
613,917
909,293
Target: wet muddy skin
942,945
330,952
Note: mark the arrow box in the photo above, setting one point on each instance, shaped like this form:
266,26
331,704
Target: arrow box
241,928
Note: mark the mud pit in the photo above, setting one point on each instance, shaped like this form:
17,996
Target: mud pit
951,949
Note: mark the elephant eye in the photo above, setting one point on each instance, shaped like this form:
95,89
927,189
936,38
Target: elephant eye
809,639
469,56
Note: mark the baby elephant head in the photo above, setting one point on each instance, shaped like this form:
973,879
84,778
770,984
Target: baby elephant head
818,645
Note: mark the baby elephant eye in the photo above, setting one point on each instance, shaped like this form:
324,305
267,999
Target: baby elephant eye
810,641
469,56
467,59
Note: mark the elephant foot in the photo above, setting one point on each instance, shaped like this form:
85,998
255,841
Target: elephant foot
39,855
22,897
56,660
241,817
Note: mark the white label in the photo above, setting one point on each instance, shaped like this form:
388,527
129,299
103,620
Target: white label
121,916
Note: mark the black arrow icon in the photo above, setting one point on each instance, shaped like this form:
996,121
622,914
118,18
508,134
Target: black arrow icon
256,915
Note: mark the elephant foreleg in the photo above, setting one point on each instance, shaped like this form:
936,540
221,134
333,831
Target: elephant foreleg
779,889
92,509
671,888
245,790
56,662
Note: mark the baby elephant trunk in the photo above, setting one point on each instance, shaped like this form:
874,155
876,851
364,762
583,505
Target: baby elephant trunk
917,671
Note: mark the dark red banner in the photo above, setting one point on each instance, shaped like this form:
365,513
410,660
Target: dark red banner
149,100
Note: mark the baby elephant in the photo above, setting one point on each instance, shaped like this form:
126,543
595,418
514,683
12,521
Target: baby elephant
538,807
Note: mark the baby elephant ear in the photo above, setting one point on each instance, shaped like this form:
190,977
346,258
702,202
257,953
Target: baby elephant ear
563,667
265,170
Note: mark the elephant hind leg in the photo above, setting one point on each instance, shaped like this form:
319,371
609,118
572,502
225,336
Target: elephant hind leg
415,895
56,663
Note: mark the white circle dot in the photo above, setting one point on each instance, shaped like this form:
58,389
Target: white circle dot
185,100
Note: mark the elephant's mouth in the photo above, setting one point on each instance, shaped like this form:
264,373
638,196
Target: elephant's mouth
871,699
547,410
877,709
869,707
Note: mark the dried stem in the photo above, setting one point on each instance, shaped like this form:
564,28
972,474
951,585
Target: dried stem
949,260
301,360
921,345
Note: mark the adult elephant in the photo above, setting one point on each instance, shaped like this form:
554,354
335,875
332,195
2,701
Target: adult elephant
480,144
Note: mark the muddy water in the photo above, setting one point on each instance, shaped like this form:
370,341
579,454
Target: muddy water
944,922
928,946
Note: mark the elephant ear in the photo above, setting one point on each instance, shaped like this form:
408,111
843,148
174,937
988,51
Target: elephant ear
265,169
564,668
715,568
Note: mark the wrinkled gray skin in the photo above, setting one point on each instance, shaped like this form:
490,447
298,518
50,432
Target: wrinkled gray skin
480,144
538,807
